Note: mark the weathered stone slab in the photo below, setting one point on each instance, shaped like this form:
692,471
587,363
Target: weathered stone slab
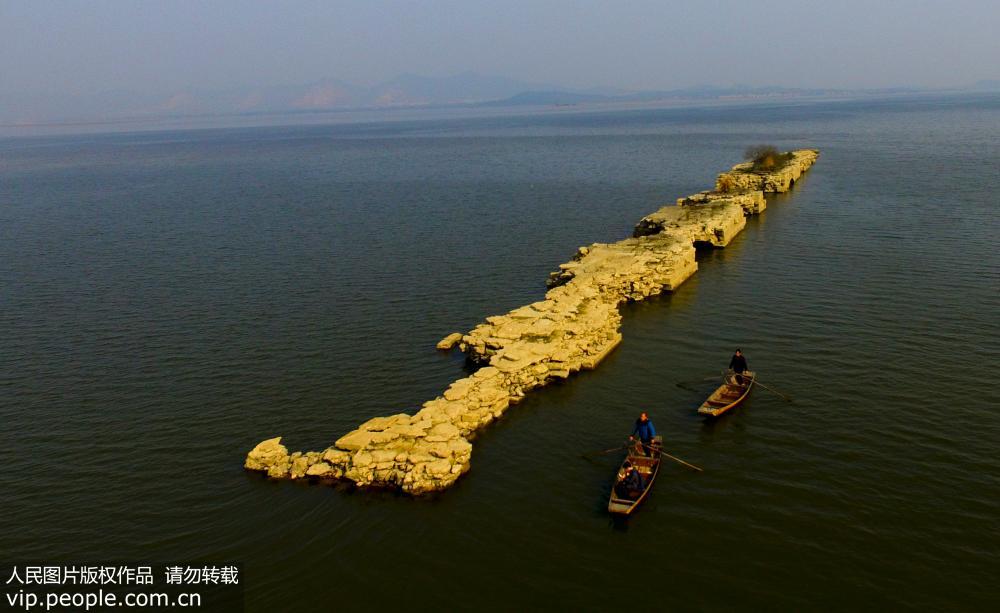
449,341
743,178
713,224
752,202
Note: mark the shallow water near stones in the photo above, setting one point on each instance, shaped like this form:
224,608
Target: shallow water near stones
170,299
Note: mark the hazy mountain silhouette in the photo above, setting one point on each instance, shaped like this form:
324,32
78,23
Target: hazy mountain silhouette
323,95
406,90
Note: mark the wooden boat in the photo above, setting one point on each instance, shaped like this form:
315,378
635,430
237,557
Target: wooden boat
647,466
730,394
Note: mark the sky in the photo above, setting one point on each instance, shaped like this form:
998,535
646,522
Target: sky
74,47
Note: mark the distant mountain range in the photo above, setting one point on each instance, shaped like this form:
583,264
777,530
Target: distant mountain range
704,92
407,90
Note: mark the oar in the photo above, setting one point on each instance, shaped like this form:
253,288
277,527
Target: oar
786,397
592,453
684,384
701,470
712,378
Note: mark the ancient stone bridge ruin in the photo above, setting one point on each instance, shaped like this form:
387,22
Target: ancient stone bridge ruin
573,328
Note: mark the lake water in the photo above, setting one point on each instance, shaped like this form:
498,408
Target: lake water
169,299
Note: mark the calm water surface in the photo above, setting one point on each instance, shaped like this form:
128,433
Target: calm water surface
169,299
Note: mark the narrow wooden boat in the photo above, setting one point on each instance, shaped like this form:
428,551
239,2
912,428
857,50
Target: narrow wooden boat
623,502
729,395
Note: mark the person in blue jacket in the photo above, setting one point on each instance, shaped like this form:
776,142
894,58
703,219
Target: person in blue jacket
644,431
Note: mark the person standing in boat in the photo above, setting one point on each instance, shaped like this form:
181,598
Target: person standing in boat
738,365
644,431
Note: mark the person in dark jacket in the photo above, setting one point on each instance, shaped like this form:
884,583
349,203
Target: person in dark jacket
644,431
738,365
630,482
634,481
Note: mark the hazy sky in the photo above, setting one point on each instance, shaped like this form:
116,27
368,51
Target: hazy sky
78,47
